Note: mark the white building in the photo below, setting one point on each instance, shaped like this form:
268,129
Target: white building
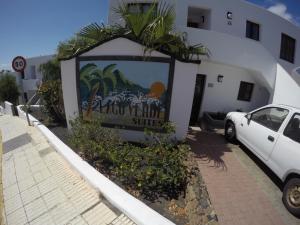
254,56
253,53
32,74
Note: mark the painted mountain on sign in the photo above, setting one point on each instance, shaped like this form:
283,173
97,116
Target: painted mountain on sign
103,82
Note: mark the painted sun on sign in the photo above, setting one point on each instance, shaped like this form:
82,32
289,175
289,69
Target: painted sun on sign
126,94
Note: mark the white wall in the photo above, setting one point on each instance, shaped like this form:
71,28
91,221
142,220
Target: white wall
69,87
287,89
222,97
9,108
36,61
271,25
182,96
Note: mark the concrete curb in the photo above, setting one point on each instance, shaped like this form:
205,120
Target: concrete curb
136,210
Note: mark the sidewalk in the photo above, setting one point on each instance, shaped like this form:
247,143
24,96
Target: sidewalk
40,188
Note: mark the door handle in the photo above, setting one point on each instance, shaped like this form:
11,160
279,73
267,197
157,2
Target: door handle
270,138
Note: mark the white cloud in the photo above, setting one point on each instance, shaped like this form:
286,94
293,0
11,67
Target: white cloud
281,10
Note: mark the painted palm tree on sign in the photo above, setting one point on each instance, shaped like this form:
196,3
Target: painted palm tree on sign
97,80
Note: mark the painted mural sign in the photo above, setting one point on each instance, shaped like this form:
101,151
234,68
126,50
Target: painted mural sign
126,94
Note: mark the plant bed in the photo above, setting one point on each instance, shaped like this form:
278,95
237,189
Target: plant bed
160,172
215,119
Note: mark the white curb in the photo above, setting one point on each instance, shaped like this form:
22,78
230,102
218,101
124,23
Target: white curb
136,210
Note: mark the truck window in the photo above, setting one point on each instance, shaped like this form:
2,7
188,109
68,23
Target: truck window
292,130
271,118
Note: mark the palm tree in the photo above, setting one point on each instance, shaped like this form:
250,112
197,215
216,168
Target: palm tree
153,28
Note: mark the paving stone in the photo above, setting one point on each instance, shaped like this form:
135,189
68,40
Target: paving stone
77,221
47,185
30,195
17,218
63,213
11,191
41,175
35,208
54,198
44,219
84,200
25,184
100,215
122,220
13,204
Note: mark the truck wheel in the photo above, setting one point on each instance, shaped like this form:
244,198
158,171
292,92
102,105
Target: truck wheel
230,133
291,196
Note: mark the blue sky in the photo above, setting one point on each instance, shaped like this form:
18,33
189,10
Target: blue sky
35,27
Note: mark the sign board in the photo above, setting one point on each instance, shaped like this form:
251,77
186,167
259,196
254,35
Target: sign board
19,64
127,92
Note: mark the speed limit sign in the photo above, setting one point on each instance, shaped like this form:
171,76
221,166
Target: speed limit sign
19,64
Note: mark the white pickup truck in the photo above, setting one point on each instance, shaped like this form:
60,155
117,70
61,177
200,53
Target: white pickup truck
272,133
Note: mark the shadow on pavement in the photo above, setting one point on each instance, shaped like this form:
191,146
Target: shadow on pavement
209,147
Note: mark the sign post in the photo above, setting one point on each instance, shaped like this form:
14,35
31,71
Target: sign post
19,65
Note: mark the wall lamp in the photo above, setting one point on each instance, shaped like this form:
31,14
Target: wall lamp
229,15
220,78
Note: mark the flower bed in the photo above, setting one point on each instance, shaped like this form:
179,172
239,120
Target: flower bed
160,172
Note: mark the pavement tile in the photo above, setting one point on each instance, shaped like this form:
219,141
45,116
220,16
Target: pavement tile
77,221
54,198
44,219
100,215
13,204
47,185
63,213
30,195
35,208
17,218
26,183
11,191
41,175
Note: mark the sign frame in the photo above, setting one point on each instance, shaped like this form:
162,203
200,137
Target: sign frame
24,64
168,60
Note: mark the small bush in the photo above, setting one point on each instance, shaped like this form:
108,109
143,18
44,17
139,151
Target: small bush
51,94
153,169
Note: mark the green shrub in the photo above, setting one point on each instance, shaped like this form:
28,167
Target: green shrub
8,89
51,95
155,168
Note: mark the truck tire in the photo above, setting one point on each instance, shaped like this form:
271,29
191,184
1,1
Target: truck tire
291,196
230,132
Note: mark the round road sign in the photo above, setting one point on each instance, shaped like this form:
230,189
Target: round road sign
19,64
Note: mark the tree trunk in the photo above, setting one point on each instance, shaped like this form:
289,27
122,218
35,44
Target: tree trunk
91,100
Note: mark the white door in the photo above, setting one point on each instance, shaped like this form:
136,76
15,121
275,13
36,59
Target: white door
260,133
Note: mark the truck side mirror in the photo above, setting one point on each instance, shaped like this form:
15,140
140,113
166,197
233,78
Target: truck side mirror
248,116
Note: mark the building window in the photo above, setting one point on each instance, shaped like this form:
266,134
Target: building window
139,7
252,31
288,46
32,72
245,92
198,18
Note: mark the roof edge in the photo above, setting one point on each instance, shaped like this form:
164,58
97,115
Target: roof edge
130,39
